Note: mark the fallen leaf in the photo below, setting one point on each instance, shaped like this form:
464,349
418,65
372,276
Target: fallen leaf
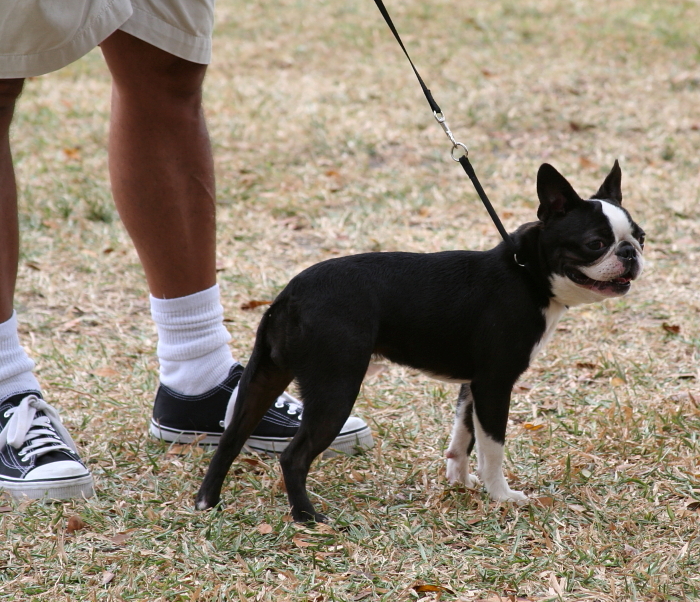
254,462
70,326
424,588
72,153
672,328
264,529
543,501
557,586
106,371
5,508
121,538
628,550
75,523
253,304
33,265
616,381
533,427
177,449
357,476
194,597
693,506
107,577
299,541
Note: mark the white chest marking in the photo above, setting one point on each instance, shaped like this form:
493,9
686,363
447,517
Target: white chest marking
552,315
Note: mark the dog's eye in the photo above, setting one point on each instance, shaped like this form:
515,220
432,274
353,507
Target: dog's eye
596,245
641,240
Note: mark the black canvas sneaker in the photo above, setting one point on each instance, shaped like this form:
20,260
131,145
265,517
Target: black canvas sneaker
38,458
188,418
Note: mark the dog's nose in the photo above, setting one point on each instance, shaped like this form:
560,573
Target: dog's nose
626,251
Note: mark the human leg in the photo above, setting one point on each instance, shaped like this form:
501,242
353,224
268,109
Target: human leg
37,455
163,183
10,89
161,165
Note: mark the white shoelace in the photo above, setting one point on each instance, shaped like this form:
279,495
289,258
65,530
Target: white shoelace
295,406
38,435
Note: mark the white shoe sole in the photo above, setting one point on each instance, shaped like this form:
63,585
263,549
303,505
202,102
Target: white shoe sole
174,436
348,443
54,489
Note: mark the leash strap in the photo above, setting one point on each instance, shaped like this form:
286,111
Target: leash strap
459,152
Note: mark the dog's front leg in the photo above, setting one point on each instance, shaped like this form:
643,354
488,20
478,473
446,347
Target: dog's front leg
462,440
491,404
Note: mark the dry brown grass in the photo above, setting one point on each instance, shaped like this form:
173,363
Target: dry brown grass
325,147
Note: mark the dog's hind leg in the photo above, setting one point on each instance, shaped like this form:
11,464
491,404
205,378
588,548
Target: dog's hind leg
462,440
328,401
257,392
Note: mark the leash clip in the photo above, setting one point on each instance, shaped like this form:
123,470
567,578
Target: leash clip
459,149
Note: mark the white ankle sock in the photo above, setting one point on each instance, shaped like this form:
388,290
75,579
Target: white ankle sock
192,341
15,365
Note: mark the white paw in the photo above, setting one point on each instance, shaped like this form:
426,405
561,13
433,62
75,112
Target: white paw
202,505
472,481
458,472
500,492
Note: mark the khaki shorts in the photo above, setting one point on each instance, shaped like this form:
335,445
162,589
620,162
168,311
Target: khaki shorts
39,36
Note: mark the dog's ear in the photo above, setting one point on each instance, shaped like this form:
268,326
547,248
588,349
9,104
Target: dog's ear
611,189
556,195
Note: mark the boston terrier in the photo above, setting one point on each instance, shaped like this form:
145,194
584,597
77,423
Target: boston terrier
472,317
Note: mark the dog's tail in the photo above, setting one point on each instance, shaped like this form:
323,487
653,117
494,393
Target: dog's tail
263,381
262,372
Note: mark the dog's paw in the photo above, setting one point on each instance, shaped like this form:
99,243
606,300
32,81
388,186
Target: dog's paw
202,503
502,493
458,472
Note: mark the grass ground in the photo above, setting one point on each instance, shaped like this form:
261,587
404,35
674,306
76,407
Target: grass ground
325,147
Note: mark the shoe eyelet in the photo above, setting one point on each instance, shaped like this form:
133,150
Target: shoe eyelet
279,404
7,414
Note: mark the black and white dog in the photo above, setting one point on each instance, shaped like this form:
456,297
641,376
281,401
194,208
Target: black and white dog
477,318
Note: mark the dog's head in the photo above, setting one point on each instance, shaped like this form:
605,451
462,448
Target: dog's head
593,247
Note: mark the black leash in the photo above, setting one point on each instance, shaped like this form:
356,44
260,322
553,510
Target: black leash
459,152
